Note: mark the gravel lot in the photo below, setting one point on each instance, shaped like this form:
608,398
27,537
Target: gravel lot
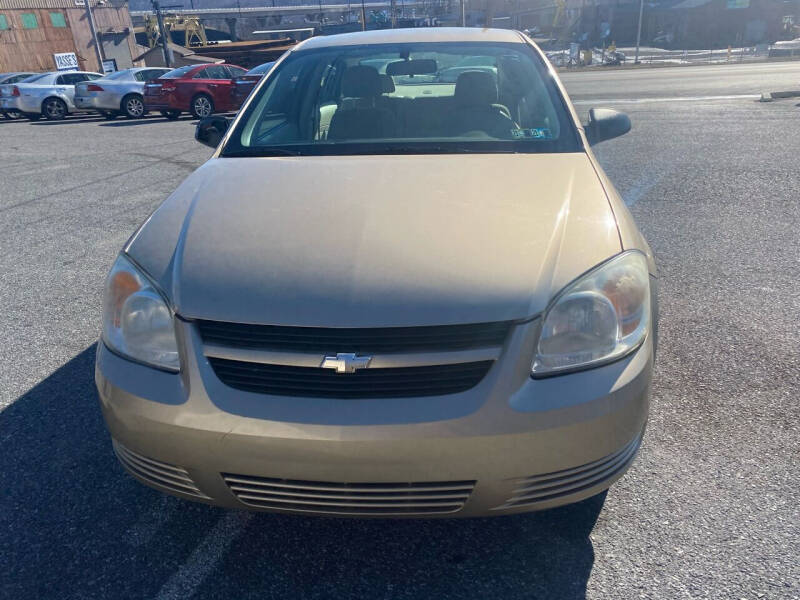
709,509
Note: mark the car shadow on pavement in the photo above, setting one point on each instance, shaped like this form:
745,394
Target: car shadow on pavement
74,525
69,121
142,121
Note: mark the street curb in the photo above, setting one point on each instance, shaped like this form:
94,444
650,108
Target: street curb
770,96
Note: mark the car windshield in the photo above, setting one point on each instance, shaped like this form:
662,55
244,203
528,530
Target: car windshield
178,73
126,74
260,69
37,77
407,98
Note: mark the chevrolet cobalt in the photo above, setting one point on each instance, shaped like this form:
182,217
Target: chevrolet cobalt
401,287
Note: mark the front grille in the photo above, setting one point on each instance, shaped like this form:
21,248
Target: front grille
397,382
350,498
157,473
548,486
365,340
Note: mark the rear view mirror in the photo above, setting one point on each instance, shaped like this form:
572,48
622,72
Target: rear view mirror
211,130
606,124
425,66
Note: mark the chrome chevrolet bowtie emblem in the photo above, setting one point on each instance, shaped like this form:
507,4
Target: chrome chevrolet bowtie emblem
346,362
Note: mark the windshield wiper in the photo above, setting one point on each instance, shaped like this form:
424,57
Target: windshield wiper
260,152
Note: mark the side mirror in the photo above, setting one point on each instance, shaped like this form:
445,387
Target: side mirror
211,130
606,124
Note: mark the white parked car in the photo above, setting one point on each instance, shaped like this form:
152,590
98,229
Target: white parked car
49,95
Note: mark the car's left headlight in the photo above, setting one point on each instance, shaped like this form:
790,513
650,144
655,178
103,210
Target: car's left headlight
599,318
137,322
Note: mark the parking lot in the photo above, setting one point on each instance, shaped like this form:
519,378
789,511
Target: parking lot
708,510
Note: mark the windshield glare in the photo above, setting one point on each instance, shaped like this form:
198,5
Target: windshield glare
126,74
178,73
401,98
260,69
37,77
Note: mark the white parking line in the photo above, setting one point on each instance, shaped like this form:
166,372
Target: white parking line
667,99
646,183
205,557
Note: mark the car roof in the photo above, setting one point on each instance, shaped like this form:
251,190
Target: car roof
422,34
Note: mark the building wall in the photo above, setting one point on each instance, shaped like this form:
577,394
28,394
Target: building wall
106,18
32,49
24,49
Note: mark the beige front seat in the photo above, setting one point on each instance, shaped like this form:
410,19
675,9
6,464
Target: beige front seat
359,115
476,109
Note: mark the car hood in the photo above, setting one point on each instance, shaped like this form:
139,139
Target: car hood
367,241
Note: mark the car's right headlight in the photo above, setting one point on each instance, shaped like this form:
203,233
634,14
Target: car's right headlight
137,322
599,318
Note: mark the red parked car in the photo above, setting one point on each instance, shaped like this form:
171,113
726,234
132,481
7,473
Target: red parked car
243,85
199,89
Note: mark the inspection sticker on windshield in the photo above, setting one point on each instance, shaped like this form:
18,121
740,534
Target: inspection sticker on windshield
540,133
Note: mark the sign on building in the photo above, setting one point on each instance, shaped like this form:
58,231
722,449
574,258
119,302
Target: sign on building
109,66
66,61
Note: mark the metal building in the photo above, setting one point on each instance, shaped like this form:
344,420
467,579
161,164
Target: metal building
32,32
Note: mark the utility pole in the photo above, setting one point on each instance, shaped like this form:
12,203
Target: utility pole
363,16
98,50
162,32
639,32
463,13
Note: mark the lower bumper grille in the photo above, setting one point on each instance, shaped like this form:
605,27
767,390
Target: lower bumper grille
350,498
548,486
403,382
157,473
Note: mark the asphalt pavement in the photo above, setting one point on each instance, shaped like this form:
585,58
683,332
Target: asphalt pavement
727,81
708,510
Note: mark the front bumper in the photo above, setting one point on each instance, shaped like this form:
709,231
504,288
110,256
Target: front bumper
510,444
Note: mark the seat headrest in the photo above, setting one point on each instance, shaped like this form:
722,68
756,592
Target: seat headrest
476,88
361,82
387,84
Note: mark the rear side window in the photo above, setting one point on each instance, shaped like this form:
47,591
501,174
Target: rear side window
216,72
57,19
236,72
70,78
3,22
29,21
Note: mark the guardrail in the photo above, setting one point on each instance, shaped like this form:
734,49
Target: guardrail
656,57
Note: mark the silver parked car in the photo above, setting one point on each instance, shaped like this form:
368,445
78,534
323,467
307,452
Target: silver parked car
119,93
8,79
387,294
48,95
